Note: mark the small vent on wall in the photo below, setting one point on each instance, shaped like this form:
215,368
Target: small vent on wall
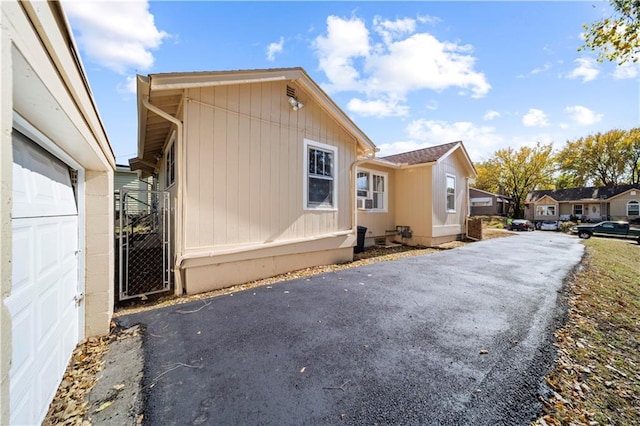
291,92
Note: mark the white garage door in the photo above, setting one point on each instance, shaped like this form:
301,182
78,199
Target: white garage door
45,317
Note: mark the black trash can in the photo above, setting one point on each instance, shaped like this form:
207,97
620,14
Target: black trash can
362,232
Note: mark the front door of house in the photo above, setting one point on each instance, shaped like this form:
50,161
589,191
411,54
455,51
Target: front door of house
594,212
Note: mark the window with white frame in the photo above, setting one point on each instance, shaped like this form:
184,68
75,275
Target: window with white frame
633,208
451,193
170,164
372,190
546,210
320,175
577,210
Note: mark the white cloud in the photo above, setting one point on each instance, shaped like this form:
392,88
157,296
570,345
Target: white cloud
117,35
628,70
377,108
129,86
585,70
423,133
535,118
274,48
346,40
401,61
583,115
490,115
390,30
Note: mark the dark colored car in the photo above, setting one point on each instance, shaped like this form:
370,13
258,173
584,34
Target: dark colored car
521,225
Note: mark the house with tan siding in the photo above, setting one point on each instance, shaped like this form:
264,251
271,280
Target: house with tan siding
262,167
56,215
418,198
258,164
589,204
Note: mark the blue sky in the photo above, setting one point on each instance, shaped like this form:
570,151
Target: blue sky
410,74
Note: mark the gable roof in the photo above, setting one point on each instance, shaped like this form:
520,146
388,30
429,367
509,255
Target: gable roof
421,156
166,90
498,196
428,156
580,194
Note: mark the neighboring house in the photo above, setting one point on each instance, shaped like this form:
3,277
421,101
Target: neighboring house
592,204
417,198
484,203
126,180
260,166
56,169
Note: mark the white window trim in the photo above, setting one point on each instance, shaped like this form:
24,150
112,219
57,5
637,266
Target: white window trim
581,208
170,145
385,196
632,202
446,195
546,210
305,183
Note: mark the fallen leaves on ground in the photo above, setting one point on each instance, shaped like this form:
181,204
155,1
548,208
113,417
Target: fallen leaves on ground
596,380
70,405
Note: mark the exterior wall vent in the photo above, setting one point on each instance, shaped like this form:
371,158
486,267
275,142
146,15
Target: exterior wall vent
291,92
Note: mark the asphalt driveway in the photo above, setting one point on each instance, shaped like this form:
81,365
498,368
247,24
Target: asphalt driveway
463,336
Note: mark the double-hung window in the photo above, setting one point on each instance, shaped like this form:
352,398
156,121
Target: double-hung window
577,210
320,175
170,164
451,194
633,208
371,187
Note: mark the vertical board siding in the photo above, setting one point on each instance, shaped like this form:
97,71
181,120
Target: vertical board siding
245,166
450,165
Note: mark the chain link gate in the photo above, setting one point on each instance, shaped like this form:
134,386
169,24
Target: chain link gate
143,232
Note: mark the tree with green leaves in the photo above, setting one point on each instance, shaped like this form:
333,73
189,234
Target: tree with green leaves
517,172
616,38
601,159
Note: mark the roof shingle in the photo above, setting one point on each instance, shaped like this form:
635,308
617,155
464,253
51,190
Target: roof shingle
421,156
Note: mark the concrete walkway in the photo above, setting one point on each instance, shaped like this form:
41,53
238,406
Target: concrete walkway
457,337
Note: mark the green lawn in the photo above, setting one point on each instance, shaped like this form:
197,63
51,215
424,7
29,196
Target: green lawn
597,375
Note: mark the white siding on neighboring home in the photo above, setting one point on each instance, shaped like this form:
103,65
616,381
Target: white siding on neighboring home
245,156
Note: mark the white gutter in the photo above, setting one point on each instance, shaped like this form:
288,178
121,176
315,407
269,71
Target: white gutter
180,237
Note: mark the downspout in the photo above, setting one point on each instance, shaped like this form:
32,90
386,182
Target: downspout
370,155
179,237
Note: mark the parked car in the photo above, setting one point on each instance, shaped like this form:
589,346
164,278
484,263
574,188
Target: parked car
549,225
608,229
521,225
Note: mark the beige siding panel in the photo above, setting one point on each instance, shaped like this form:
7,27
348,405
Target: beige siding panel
413,204
618,206
245,158
192,176
233,166
244,165
201,279
220,166
566,209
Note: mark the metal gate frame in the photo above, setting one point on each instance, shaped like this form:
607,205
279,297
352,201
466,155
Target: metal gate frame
145,218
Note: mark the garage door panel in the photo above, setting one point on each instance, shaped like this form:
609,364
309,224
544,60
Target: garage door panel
22,266
44,317
48,243
44,184
23,350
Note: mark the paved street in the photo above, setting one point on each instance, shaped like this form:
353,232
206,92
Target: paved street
462,336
